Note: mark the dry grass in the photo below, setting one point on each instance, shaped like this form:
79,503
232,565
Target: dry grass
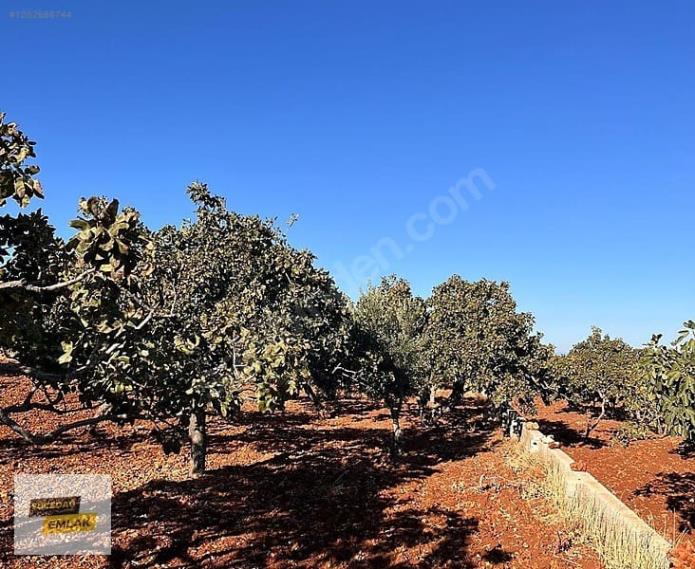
585,516
618,546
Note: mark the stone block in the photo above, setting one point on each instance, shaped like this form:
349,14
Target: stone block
560,459
536,445
581,485
577,483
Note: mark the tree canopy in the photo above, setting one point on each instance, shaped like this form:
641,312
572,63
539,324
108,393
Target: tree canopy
389,321
598,376
194,319
166,325
477,340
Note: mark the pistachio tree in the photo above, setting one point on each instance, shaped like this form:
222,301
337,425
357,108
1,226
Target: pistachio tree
669,371
477,340
231,310
18,180
168,325
56,295
31,256
388,350
598,376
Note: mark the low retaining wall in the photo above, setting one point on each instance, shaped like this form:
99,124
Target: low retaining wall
584,489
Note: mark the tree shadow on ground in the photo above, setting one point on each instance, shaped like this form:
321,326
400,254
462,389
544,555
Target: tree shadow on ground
679,490
73,443
327,496
497,556
686,450
6,541
568,435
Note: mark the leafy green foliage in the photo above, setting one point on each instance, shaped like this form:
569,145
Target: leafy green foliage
598,376
30,252
105,237
478,341
389,322
28,247
40,277
62,299
670,373
388,347
17,179
165,325
220,304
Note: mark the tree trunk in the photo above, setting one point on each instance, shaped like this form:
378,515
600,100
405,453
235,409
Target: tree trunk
316,400
422,403
12,424
428,405
198,437
456,392
591,425
397,433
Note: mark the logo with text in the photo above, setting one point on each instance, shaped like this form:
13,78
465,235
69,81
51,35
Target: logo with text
62,514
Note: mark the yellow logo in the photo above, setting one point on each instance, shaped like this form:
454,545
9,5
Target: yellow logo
71,523
54,506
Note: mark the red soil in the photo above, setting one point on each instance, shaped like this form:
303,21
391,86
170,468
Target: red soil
650,476
294,490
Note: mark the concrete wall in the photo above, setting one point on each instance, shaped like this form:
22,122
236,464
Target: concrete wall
583,487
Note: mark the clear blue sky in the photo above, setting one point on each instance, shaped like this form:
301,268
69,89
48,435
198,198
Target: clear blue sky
359,114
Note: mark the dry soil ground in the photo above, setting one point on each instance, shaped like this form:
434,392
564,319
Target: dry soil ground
650,476
295,490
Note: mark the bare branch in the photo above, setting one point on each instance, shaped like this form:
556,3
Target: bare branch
144,321
35,438
39,289
12,424
53,435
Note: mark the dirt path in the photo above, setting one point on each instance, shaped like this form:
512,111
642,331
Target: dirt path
299,491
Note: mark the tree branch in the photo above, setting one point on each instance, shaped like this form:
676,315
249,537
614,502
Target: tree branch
49,437
12,424
39,289
35,438
17,369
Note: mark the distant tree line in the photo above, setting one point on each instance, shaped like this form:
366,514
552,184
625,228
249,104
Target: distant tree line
189,321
